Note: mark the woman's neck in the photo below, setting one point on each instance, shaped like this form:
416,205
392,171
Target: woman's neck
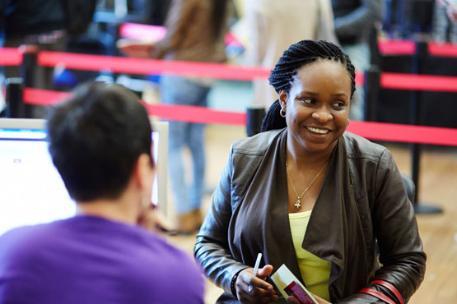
302,159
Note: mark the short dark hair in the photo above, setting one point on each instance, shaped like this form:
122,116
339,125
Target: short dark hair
95,138
297,55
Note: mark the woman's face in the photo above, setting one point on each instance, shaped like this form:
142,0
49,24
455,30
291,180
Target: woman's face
317,105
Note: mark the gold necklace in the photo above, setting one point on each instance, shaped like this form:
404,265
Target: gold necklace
298,202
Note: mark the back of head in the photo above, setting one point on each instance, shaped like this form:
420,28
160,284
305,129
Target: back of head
95,138
297,55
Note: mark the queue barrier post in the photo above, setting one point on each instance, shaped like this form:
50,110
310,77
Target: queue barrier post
29,73
371,87
15,107
419,57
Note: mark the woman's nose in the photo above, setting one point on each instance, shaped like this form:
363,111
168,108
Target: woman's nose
322,116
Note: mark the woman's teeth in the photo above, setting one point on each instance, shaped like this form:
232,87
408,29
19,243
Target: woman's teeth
318,130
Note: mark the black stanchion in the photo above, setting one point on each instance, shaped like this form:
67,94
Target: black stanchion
372,78
14,101
28,73
416,119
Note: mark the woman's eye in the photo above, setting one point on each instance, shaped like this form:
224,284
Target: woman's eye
306,101
339,105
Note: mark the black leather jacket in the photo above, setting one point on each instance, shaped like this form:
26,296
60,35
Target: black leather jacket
362,216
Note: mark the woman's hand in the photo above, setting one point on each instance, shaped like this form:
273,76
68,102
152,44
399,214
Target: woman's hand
254,289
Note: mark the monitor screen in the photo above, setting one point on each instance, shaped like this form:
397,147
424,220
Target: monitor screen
31,190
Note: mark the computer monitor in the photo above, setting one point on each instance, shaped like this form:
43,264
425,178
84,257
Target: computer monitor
31,190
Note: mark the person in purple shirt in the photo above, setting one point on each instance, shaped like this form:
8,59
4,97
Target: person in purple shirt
100,142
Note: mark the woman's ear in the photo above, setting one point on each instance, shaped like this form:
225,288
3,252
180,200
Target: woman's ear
283,99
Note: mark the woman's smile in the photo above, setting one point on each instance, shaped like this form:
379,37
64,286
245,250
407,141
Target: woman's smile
318,130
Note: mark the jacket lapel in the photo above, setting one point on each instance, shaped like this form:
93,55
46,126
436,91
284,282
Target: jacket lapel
279,245
262,223
326,233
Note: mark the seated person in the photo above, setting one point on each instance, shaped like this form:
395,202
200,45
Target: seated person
328,204
100,142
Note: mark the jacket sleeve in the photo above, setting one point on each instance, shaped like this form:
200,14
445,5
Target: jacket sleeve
401,252
400,247
212,245
350,25
180,16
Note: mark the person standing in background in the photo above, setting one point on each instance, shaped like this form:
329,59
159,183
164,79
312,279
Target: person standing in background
271,27
354,20
195,32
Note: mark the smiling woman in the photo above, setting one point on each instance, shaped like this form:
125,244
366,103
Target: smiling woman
305,193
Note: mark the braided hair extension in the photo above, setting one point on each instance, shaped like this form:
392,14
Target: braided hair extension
297,55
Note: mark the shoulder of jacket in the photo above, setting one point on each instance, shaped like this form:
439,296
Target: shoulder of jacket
256,145
358,147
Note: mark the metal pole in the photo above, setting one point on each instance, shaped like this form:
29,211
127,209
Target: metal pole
371,89
416,119
14,101
28,72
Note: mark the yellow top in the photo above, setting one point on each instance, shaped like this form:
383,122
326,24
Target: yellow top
314,270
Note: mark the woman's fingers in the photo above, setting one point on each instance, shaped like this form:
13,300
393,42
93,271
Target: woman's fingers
265,271
252,289
248,278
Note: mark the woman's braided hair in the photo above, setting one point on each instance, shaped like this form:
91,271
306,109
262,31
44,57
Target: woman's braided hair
296,56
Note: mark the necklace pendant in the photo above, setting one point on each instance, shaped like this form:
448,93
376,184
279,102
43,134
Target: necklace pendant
297,203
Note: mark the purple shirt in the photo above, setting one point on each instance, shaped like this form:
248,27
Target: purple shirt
88,259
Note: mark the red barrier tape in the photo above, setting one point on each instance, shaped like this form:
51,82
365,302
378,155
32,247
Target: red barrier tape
38,97
10,56
165,111
196,114
371,130
407,47
149,66
442,49
405,133
396,47
418,82
222,71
